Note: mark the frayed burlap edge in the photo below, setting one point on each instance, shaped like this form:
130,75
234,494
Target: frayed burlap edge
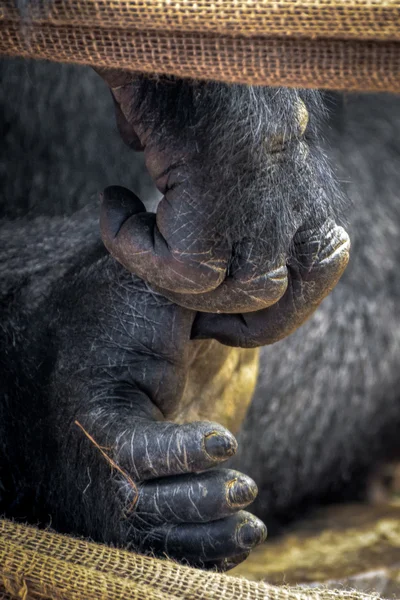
40,564
330,64
368,20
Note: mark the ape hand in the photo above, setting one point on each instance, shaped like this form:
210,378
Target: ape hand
319,257
123,384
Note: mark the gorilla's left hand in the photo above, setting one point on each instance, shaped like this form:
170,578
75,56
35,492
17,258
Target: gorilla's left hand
121,355
243,178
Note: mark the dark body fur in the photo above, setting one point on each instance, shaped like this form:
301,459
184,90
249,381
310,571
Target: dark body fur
327,408
57,119
326,412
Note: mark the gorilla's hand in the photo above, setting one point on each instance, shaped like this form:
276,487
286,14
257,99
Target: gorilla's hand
241,172
319,257
120,373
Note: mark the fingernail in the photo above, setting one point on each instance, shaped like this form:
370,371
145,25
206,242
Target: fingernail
220,446
251,533
241,491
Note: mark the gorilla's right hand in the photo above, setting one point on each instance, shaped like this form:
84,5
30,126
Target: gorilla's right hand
120,373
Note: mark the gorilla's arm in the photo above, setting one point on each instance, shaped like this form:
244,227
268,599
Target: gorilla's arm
327,408
84,341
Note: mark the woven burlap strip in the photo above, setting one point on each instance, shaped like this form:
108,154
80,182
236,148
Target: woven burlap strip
335,44
334,64
344,19
38,564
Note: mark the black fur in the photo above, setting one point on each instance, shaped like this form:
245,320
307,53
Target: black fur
58,120
244,142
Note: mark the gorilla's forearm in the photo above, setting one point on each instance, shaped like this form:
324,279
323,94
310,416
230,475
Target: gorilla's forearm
89,349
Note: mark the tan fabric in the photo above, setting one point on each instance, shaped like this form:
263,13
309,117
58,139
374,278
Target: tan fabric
37,564
341,44
344,19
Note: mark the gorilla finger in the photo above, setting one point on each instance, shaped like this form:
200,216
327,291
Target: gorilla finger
150,450
244,290
120,84
115,78
127,132
320,257
213,541
198,498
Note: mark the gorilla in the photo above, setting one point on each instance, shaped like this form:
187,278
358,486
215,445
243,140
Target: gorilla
113,409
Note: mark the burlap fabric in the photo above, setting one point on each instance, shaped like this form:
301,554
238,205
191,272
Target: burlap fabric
37,564
337,44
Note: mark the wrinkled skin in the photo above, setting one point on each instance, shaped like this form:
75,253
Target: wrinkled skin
111,360
126,375
325,417
243,179
320,257
114,358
